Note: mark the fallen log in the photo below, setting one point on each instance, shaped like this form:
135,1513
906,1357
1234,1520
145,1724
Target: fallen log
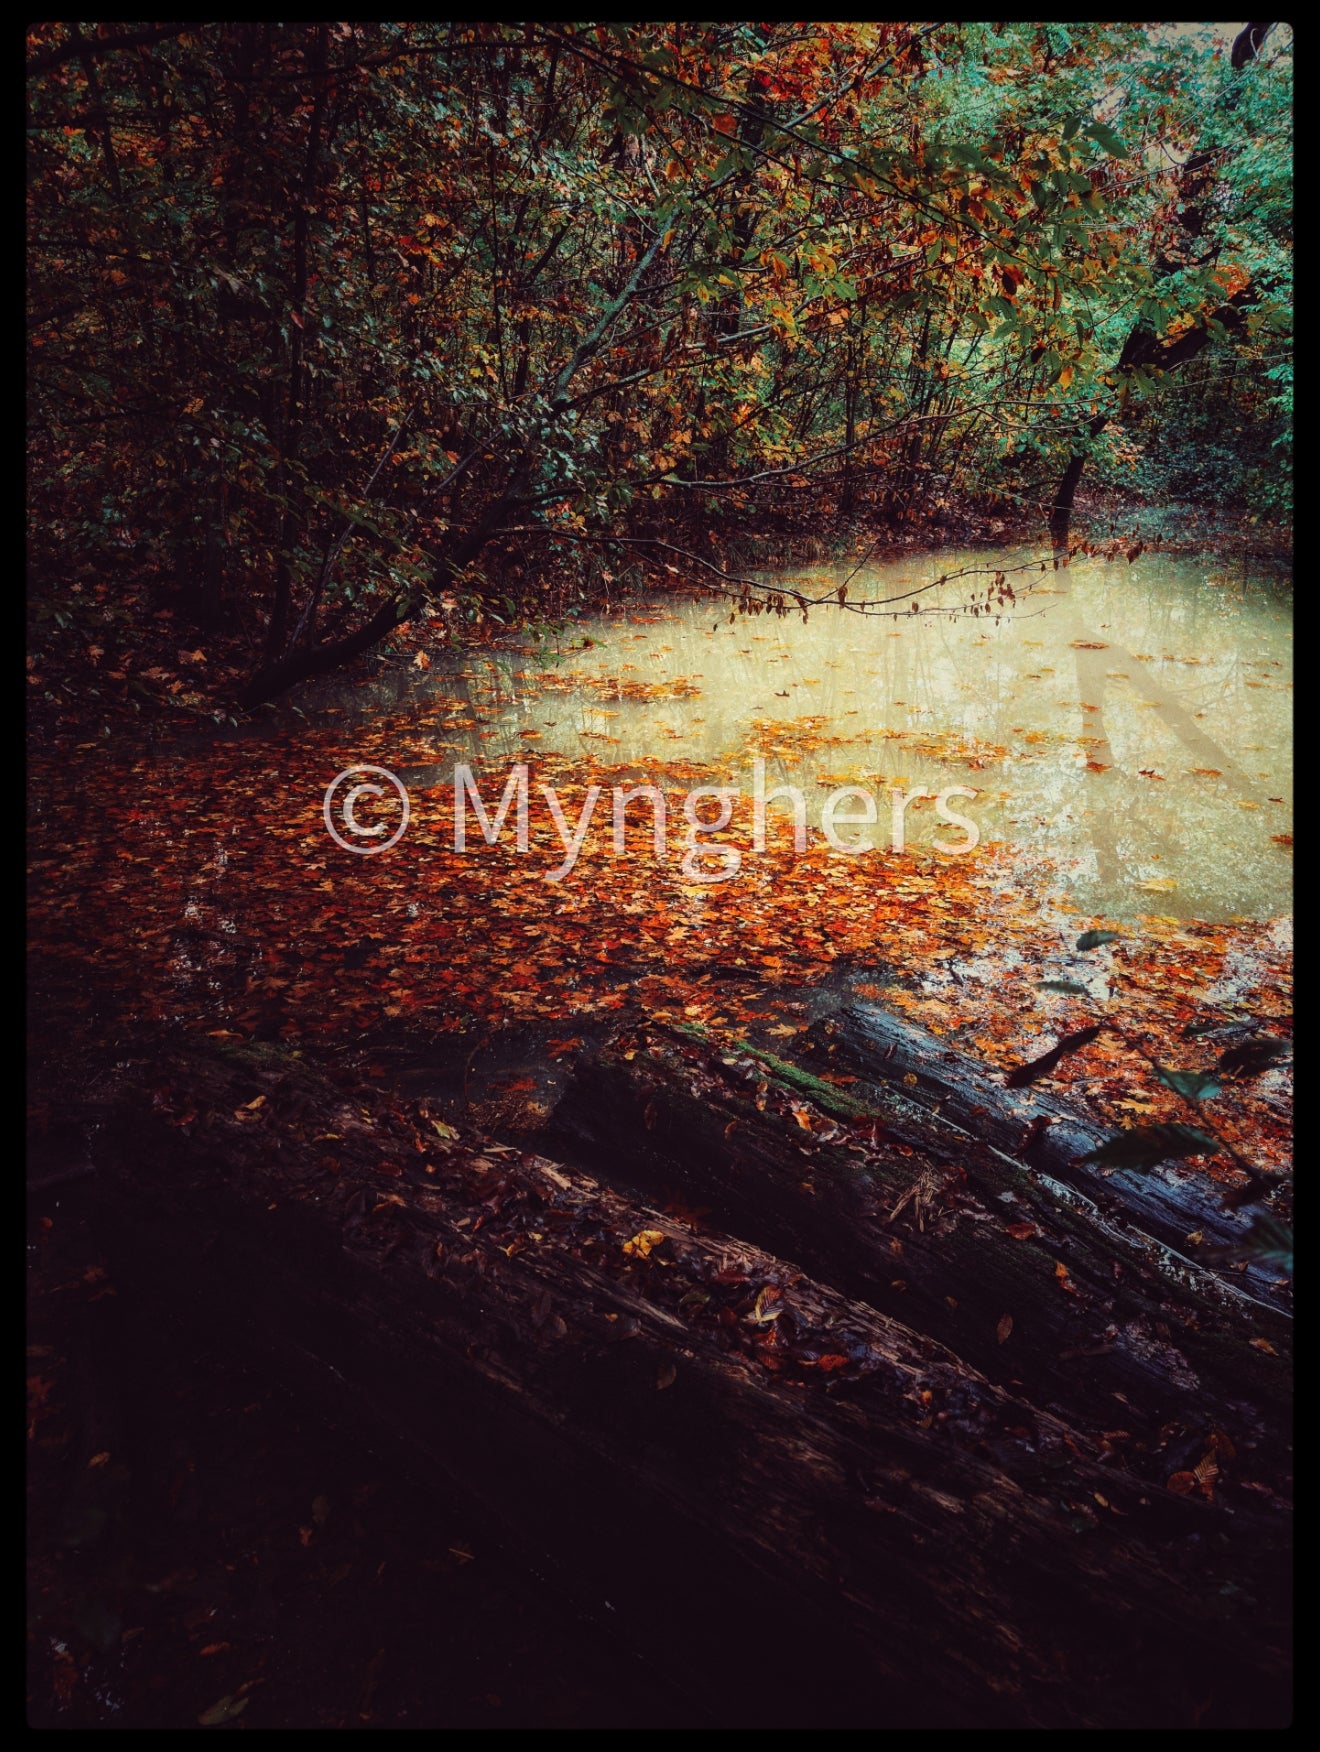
918,1073
1054,1293
809,1513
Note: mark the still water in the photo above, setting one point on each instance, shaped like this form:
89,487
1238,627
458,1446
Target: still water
1127,727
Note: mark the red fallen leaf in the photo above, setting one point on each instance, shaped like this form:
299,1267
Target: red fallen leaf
1004,1327
1282,839
1149,773
1022,1231
1065,1282
1182,1483
833,1361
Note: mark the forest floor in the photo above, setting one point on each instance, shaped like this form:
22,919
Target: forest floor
259,1557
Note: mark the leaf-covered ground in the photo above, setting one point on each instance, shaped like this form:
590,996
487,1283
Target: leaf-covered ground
199,884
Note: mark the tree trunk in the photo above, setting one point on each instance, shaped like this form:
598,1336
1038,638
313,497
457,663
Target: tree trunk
928,1205
1142,345
810,1514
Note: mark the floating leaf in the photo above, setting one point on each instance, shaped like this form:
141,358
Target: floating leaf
1143,1146
1195,1085
1093,939
1004,1327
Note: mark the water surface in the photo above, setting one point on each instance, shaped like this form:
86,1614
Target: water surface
1127,727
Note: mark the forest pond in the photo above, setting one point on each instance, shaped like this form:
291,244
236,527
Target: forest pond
1127,727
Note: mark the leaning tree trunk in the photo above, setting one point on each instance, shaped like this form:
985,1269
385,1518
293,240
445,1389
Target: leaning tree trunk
810,1514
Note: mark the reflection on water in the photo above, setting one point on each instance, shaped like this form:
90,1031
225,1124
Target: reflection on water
1132,723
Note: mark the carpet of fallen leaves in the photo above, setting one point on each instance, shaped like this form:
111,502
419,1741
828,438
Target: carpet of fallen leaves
197,881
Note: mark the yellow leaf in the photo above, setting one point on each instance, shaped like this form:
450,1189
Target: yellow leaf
643,1241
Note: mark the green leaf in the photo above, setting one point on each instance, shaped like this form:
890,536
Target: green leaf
1106,139
1143,1146
1196,1085
1093,939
